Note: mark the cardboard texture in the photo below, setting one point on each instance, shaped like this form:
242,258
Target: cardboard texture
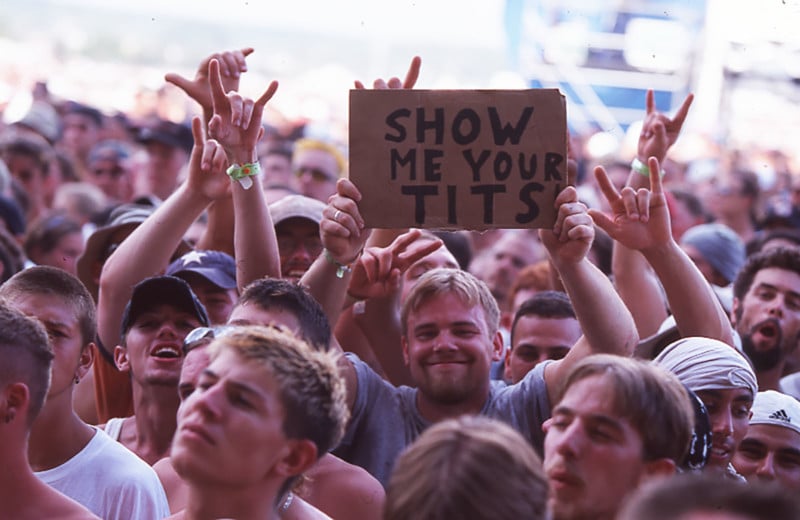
458,159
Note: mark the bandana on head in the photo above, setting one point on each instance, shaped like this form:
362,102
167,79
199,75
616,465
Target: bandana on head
707,364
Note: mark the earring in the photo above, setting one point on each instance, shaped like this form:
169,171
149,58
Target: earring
77,380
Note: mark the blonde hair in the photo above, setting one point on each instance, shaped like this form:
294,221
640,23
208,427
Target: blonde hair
471,467
469,289
304,145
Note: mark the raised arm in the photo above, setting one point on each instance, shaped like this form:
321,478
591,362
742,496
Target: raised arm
236,124
606,323
146,252
343,235
636,282
219,230
232,65
641,222
376,283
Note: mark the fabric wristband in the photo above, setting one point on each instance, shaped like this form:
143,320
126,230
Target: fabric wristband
642,168
243,173
341,268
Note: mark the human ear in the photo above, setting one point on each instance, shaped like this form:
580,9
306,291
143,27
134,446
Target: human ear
121,358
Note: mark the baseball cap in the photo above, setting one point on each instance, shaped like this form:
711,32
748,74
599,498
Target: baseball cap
177,135
776,409
296,206
217,267
159,290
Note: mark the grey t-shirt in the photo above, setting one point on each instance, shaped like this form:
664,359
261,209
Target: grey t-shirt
385,418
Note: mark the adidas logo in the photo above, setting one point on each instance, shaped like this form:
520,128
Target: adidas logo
780,415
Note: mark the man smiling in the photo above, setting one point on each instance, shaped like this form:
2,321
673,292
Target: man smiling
161,311
450,336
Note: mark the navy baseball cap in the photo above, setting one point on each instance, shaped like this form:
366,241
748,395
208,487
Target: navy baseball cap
158,290
215,266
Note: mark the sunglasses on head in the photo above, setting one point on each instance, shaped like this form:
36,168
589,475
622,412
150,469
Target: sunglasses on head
201,336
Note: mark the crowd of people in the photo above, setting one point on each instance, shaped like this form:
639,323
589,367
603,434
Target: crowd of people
198,323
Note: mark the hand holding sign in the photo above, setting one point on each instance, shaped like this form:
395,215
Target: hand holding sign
342,227
571,237
640,217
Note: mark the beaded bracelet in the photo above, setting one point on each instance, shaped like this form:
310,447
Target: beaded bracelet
243,173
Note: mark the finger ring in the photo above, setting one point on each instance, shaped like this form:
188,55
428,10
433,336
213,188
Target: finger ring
336,215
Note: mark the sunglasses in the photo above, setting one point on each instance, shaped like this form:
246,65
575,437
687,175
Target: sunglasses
316,174
202,336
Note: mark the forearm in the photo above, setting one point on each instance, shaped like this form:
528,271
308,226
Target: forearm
696,308
254,239
606,322
219,232
146,252
380,323
639,289
326,287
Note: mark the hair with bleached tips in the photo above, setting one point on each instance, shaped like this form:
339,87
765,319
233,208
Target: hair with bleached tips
311,390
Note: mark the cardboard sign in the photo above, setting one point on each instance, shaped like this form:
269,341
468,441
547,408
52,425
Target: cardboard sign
458,159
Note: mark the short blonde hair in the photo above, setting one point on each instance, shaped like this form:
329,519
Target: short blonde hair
469,289
471,467
304,145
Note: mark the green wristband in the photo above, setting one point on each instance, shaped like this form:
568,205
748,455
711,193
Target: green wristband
642,168
341,268
243,173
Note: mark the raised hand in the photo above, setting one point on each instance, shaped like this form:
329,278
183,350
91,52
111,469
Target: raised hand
378,272
207,165
232,65
573,231
640,218
342,227
411,78
659,132
236,122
